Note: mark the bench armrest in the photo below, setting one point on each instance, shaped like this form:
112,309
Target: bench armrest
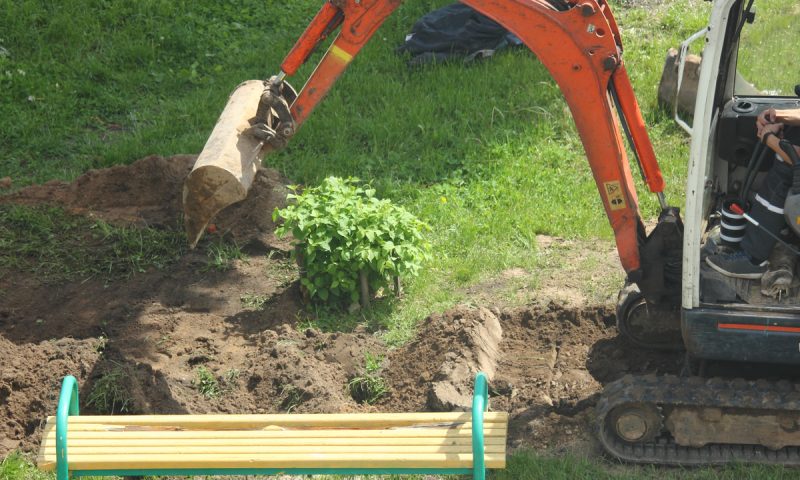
480,403
67,405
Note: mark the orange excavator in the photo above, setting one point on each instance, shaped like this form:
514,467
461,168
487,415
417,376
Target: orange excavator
671,298
579,44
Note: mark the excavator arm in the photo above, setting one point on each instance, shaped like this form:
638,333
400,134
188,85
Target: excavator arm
578,41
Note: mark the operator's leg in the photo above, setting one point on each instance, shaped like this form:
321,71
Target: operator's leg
751,261
767,210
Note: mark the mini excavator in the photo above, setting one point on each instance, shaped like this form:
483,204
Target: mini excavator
671,299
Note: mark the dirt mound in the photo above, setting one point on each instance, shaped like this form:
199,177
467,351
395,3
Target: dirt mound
149,193
436,371
30,380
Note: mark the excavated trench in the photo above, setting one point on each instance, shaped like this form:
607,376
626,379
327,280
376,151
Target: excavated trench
155,330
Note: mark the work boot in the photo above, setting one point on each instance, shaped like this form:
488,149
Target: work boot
778,278
737,265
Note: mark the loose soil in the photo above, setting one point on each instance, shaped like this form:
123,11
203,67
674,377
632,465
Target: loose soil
548,360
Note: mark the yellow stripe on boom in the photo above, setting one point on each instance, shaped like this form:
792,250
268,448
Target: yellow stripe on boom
340,54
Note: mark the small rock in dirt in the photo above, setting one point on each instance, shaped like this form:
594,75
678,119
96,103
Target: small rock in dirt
501,387
545,399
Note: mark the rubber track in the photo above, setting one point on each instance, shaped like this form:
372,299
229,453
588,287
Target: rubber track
667,391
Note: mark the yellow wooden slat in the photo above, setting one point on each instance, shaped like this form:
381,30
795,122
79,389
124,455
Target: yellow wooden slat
224,449
98,427
400,432
49,442
222,422
151,461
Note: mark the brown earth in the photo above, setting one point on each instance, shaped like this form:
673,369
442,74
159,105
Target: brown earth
547,361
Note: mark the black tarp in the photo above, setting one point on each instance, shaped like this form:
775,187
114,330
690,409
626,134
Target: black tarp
455,32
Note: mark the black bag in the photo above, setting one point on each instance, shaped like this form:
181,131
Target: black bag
455,31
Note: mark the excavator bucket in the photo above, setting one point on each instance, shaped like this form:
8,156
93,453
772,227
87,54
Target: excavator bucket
227,166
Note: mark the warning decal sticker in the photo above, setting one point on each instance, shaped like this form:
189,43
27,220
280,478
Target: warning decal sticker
616,200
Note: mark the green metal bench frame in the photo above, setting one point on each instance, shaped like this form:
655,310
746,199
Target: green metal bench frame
68,405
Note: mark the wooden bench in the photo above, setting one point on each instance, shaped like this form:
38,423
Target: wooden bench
344,444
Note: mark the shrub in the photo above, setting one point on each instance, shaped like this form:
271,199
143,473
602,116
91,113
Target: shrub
341,229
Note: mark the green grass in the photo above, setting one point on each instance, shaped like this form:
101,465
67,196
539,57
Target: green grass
487,154
521,466
58,246
525,465
762,59
369,387
110,392
206,383
17,467
221,255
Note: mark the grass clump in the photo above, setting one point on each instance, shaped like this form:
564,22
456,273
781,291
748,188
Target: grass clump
369,387
254,301
110,393
221,255
292,397
206,383
53,244
16,467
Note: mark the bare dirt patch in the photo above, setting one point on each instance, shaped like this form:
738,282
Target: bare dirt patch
547,361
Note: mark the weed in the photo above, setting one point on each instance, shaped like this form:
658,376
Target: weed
293,397
110,392
221,255
163,340
254,301
231,378
102,342
369,387
207,383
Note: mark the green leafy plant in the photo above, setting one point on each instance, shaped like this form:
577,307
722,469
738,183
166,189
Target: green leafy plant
369,387
341,230
109,393
207,383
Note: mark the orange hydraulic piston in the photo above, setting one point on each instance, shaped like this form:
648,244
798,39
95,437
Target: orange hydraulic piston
327,19
638,130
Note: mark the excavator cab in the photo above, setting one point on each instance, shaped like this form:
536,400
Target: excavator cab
697,419
726,318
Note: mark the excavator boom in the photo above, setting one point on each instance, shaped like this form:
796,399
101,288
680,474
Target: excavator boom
577,41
